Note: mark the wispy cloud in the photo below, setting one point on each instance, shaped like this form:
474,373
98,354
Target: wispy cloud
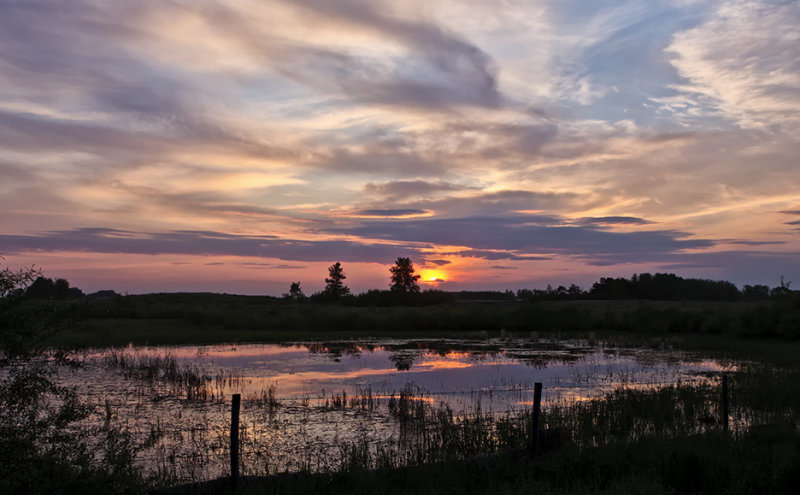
398,212
102,240
411,189
743,63
534,235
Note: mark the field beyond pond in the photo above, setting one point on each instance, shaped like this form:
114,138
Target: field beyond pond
158,319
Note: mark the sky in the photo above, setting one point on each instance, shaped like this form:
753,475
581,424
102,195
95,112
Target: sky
237,146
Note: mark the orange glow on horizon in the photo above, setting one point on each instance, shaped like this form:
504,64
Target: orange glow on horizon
432,276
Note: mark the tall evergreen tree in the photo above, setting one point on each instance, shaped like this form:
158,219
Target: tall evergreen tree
403,278
334,285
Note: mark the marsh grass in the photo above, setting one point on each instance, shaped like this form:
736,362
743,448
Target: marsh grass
181,379
429,432
627,414
659,439
636,437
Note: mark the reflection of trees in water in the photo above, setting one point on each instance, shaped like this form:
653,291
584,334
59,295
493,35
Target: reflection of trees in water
403,354
402,360
654,355
335,350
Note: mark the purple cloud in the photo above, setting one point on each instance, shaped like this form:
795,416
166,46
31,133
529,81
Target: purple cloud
399,212
101,240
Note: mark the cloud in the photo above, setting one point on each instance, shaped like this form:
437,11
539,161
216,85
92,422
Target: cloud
120,145
376,159
501,267
497,203
101,240
495,140
321,45
517,238
408,189
437,69
752,243
743,63
598,221
12,172
437,262
498,254
534,235
271,266
28,133
399,212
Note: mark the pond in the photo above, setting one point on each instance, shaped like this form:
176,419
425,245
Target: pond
303,401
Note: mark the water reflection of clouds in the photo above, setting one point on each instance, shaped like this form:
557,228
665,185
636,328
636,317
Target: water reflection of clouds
494,376
434,366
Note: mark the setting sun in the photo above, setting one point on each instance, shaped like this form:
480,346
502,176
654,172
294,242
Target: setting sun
432,276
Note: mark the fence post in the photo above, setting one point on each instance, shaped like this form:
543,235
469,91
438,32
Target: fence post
537,408
724,417
235,437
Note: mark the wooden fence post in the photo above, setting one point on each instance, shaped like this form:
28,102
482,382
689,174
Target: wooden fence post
537,408
235,437
724,414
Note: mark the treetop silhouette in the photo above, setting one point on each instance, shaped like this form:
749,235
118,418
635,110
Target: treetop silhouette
403,278
334,285
295,292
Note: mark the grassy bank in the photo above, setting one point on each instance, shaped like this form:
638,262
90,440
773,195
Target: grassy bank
765,461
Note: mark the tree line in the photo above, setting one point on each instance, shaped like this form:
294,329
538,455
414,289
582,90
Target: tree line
660,286
46,288
404,288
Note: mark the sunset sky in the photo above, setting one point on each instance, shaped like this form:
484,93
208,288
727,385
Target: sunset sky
238,146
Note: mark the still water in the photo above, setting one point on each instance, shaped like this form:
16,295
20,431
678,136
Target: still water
302,400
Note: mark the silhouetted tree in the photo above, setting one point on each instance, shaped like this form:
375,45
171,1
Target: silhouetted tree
334,285
524,294
403,278
575,290
295,292
61,289
14,283
664,286
41,288
45,288
755,292
781,290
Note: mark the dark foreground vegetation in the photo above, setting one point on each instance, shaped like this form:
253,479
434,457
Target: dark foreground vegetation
664,440
661,439
43,446
709,464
